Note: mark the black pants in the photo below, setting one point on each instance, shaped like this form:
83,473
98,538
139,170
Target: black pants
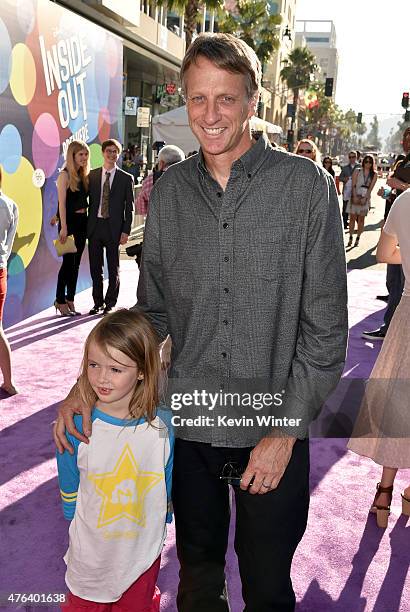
68,274
345,215
268,529
395,285
101,239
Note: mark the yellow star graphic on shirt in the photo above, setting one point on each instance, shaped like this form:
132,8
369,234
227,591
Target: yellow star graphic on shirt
124,490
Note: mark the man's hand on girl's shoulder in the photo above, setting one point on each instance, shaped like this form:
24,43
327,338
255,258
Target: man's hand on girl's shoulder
70,406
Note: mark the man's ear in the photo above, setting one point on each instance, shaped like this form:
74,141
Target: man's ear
253,104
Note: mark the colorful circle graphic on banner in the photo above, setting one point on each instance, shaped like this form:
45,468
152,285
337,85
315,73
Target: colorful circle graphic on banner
96,157
19,187
10,148
46,144
5,54
16,284
23,74
50,205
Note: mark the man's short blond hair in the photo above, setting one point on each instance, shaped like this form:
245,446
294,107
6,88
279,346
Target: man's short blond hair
227,53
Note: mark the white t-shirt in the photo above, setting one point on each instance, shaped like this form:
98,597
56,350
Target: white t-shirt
398,225
117,491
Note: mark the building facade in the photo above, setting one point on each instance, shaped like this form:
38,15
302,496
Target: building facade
320,38
280,95
153,47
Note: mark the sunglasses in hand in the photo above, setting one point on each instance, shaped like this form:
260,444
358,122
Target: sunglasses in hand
232,474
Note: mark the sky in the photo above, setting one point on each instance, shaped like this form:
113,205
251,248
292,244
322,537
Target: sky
372,38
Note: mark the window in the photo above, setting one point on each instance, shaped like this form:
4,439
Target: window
317,39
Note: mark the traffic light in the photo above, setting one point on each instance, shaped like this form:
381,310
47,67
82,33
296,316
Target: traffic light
329,87
407,116
359,118
405,99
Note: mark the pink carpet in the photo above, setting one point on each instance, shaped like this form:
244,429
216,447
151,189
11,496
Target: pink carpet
343,563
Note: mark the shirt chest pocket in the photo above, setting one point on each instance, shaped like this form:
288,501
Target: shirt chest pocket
274,251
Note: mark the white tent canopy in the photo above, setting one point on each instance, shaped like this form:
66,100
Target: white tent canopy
173,128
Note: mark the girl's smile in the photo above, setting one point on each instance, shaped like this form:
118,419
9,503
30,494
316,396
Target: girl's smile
113,377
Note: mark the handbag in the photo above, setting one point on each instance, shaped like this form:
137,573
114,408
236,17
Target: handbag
67,247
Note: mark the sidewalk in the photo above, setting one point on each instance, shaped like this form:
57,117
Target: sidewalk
343,563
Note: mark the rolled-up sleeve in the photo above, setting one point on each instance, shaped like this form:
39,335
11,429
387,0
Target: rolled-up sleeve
323,330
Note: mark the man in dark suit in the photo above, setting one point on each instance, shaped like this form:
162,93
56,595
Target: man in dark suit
109,224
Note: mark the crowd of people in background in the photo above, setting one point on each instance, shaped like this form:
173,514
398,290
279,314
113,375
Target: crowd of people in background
96,205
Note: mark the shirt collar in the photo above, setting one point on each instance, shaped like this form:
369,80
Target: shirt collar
104,170
250,161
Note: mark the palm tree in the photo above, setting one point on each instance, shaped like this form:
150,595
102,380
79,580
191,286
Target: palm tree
300,65
190,9
252,23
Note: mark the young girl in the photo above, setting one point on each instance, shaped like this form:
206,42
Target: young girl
116,490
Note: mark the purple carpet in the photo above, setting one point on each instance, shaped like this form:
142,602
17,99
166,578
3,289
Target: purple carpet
344,561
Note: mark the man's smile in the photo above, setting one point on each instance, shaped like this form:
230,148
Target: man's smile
213,131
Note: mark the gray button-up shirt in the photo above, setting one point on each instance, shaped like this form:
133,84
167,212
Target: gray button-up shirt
250,283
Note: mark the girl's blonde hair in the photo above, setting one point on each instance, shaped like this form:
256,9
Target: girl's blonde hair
74,175
131,333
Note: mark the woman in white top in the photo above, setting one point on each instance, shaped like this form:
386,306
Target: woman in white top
382,430
363,181
8,226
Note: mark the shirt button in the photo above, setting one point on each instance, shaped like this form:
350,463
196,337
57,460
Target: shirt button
225,321
249,175
225,225
223,354
226,289
226,258
219,194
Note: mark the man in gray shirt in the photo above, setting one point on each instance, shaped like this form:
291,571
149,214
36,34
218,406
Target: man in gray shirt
243,265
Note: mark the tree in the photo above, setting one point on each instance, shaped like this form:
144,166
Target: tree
252,23
394,140
190,9
297,72
321,115
373,136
